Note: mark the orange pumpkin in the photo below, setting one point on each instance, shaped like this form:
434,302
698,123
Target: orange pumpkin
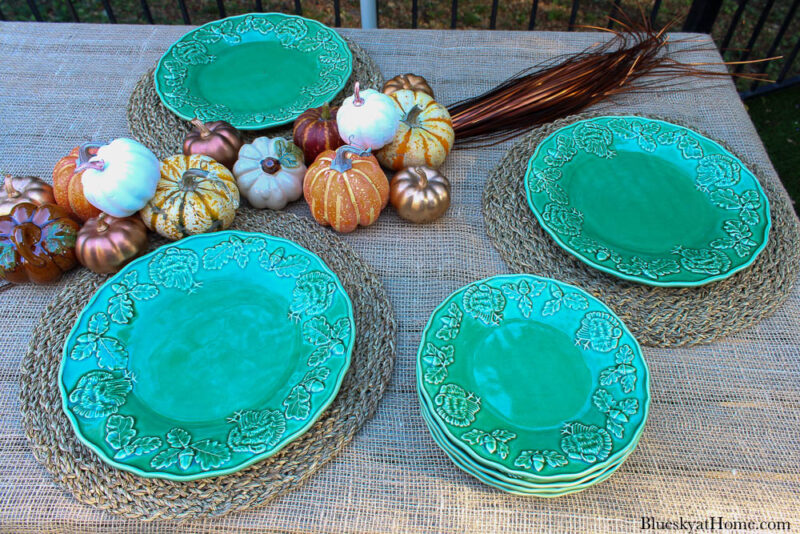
67,184
346,188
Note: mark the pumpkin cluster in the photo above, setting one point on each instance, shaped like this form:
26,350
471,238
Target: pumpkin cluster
106,196
401,129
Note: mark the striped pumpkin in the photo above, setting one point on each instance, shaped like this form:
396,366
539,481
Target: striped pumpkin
194,195
425,135
346,188
315,131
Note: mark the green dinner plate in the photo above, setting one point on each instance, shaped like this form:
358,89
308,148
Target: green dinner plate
476,463
511,485
533,377
207,355
253,71
648,201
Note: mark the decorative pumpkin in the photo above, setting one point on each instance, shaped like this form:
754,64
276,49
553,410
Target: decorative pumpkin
67,183
425,135
270,172
346,188
195,195
420,194
106,243
368,119
218,139
37,243
19,189
121,177
407,81
315,131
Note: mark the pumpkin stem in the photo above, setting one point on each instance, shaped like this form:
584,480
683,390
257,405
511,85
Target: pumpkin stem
21,244
412,119
201,127
270,165
357,100
102,223
325,114
83,152
11,192
341,163
190,178
423,177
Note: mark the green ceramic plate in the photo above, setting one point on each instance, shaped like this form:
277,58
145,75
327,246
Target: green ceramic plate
254,71
523,481
207,355
533,377
511,485
648,201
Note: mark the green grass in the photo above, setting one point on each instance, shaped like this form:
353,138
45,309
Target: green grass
777,118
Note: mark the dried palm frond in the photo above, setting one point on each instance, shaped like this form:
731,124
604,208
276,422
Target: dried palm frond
542,94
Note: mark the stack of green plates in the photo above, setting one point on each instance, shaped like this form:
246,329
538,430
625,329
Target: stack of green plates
531,385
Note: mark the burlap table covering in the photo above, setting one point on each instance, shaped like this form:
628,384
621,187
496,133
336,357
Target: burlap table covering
722,439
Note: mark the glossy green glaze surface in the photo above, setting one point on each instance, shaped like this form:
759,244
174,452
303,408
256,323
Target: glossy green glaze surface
253,71
648,201
207,355
533,377
519,485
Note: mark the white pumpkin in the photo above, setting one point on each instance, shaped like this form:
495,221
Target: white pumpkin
270,172
368,119
121,178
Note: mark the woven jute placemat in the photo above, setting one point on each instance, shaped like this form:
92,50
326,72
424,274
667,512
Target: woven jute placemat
78,470
657,316
152,124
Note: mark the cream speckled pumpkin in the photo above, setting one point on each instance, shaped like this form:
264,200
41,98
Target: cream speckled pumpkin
194,195
425,135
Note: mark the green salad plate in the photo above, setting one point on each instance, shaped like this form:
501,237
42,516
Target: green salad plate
533,379
253,71
207,355
516,486
648,201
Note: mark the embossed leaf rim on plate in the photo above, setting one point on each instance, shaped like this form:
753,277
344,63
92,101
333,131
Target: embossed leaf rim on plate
254,71
648,201
516,485
533,377
207,355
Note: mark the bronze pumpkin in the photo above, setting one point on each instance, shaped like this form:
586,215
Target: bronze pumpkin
420,194
407,81
37,243
19,189
218,140
105,244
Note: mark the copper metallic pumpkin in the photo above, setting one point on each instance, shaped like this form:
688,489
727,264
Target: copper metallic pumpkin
19,189
37,243
407,81
315,131
420,194
346,188
218,140
67,184
105,244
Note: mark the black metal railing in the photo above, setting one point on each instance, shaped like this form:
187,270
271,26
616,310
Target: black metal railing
741,29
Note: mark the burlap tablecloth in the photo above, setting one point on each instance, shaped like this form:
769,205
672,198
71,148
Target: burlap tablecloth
723,437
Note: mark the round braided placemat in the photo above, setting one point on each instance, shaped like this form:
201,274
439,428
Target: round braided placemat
78,470
658,316
152,124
